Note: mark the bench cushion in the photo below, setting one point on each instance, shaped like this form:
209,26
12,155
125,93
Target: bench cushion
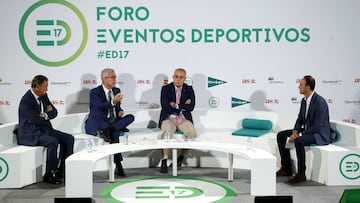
253,127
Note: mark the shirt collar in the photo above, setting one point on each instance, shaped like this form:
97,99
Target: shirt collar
105,89
36,97
309,98
178,87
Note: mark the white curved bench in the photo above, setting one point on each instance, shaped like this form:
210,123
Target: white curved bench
323,162
214,125
79,166
24,165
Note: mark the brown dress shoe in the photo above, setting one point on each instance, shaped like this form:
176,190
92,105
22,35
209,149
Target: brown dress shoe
283,172
164,167
298,178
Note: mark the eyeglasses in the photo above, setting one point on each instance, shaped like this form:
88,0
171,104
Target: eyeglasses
179,76
112,77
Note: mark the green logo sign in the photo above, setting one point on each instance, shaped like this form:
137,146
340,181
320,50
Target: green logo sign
188,81
350,166
214,102
214,82
4,169
235,102
53,33
168,189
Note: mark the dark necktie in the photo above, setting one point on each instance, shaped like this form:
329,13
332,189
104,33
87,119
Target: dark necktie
41,110
111,111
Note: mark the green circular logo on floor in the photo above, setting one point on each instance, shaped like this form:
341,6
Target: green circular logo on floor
168,189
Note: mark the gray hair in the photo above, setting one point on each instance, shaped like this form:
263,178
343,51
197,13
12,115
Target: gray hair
180,69
105,72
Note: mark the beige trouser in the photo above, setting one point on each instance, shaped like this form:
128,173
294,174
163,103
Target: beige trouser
186,127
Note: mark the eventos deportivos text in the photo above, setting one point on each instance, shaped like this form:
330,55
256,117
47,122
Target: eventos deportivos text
128,33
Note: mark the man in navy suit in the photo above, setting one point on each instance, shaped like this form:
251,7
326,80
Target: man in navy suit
312,127
106,114
177,103
35,129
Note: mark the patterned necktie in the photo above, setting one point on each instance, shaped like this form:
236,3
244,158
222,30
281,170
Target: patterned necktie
179,118
111,111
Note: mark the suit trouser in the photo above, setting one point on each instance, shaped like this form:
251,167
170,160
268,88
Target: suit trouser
187,127
51,140
300,143
119,124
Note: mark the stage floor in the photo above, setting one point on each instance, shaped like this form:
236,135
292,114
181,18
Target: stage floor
305,192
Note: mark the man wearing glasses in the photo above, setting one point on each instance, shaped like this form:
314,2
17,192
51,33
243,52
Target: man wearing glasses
177,103
106,116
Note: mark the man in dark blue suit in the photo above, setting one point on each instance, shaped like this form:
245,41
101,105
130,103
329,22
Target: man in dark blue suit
177,103
106,114
35,129
311,127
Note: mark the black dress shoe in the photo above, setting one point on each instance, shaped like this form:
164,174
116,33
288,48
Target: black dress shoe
179,162
164,167
124,130
283,172
51,178
298,178
60,174
106,134
119,171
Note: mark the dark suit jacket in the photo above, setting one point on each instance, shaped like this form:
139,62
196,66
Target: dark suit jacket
30,123
168,95
99,106
317,122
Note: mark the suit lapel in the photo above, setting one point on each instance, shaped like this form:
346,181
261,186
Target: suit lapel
183,93
35,102
102,92
303,108
173,92
313,99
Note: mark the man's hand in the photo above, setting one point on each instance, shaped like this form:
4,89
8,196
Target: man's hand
117,98
172,104
293,136
121,114
48,108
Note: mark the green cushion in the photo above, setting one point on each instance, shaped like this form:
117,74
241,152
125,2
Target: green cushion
335,135
253,127
258,124
249,132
